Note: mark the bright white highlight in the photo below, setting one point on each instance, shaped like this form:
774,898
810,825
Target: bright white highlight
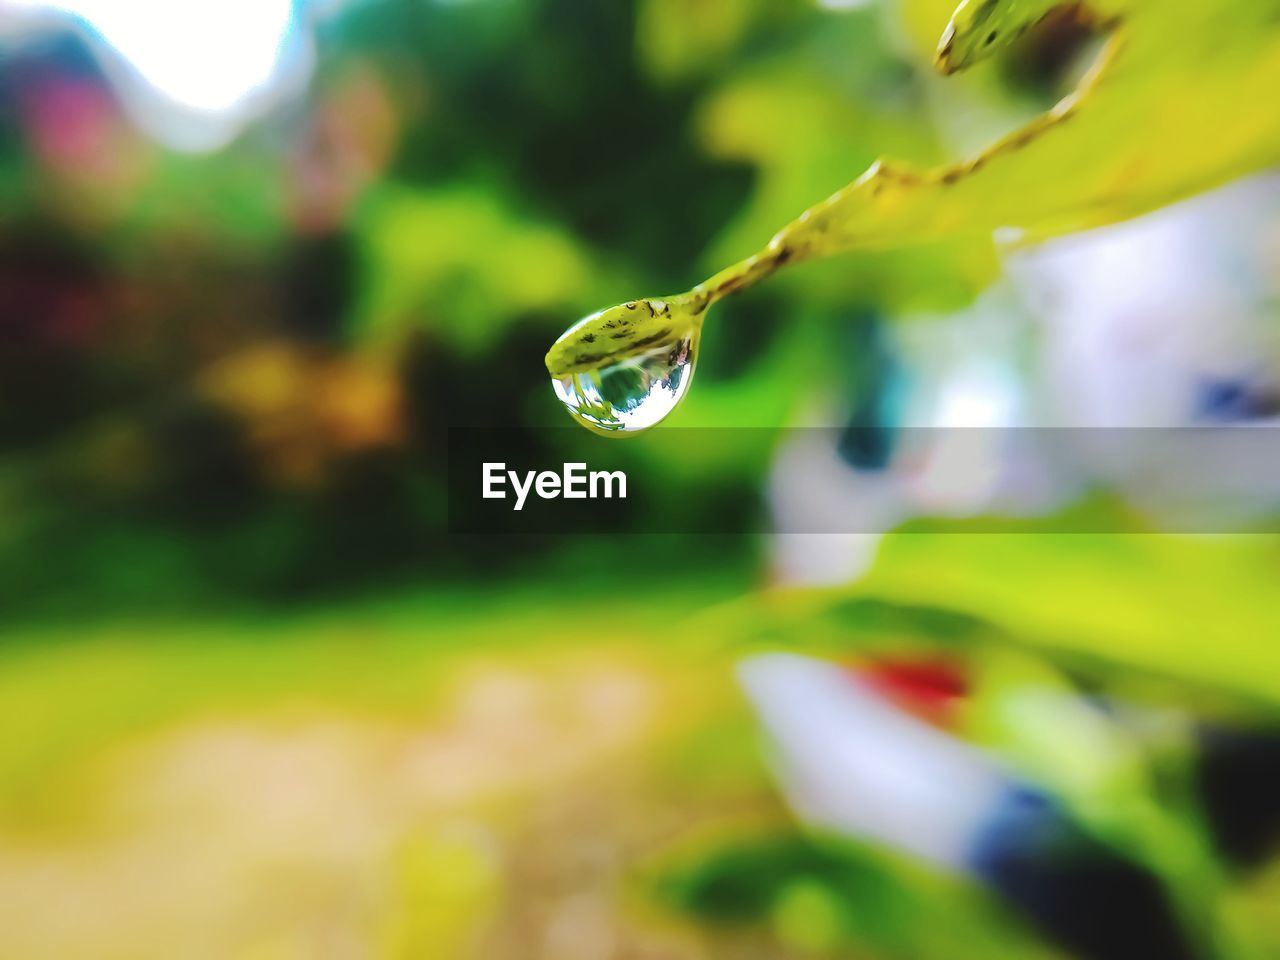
191,72
204,56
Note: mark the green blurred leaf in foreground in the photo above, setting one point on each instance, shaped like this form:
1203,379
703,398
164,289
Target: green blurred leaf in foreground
1192,609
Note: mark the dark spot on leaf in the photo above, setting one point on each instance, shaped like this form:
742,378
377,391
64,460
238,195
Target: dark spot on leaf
654,338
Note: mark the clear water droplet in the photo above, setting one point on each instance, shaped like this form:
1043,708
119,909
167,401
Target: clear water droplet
633,393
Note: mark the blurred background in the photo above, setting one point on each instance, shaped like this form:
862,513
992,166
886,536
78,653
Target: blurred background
257,258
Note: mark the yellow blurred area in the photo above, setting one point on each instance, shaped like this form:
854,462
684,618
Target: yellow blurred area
360,786
303,408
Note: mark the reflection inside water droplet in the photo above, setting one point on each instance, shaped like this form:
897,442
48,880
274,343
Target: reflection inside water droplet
633,393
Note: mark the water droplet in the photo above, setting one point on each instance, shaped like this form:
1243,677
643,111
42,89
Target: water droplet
632,393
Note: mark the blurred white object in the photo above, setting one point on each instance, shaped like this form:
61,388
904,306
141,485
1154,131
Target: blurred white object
189,72
1161,325
828,518
852,762
1139,317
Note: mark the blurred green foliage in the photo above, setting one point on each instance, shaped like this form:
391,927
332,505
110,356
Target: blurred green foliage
224,401
826,897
